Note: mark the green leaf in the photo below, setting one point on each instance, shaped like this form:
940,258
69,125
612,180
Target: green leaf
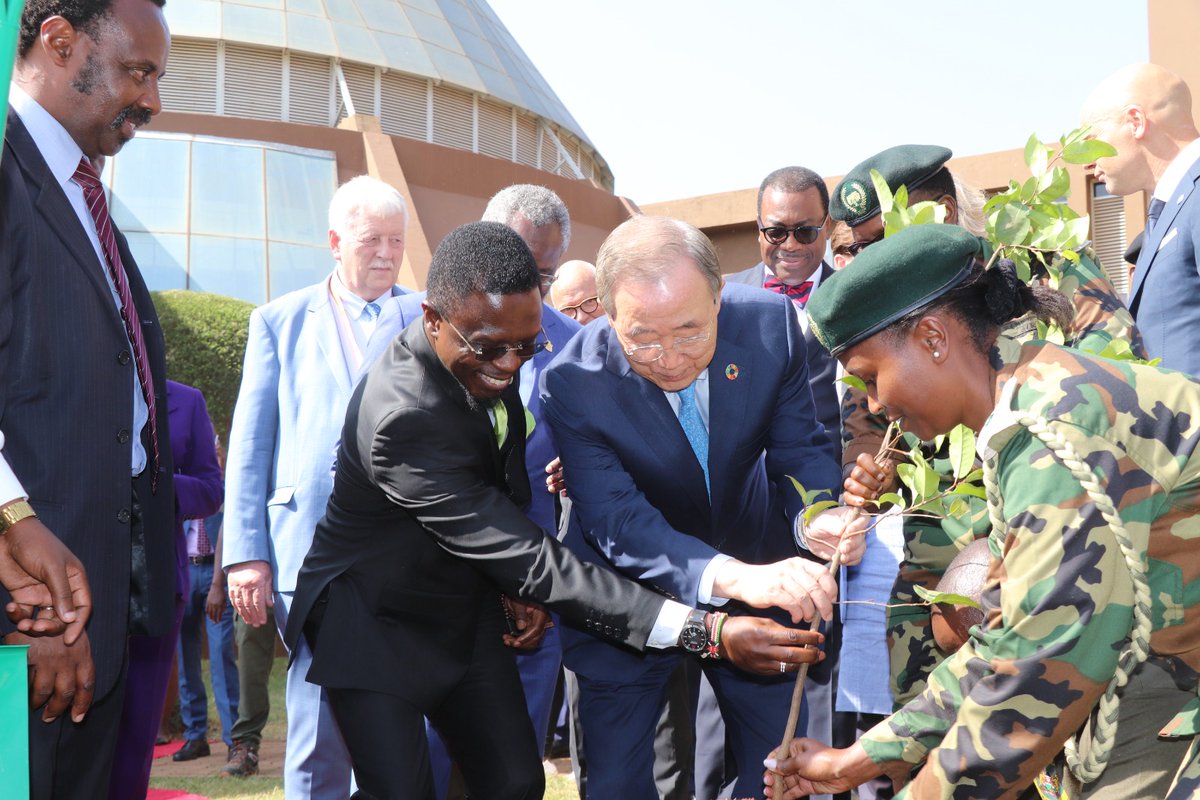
949,598
1087,151
882,191
910,440
854,381
900,198
1021,259
1036,156
805,495
969,489
959,508
1070,255
907,473
817,508
1030,189
892,498
1012,224
1077,233
1058,186
962,450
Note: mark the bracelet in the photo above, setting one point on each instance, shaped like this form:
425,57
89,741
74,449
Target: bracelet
14,512
713,651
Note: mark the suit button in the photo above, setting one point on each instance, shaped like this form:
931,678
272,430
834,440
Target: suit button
122,436
124,357
123,516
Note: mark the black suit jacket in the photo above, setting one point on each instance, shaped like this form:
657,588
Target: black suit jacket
822,367
424,529
66,403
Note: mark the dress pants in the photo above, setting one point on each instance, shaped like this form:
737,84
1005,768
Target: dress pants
193,700
316,764
256,654
620,718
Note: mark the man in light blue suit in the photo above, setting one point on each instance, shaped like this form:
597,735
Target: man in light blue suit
681,420
1145,112
538,216
303,357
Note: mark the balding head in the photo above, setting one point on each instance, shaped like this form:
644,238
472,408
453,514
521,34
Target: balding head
574,292
1145,111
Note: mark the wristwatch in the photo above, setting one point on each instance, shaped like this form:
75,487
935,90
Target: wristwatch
13,513
694,637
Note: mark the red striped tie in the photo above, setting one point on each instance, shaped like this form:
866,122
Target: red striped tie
93,193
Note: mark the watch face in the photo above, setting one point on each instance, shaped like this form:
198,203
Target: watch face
694,638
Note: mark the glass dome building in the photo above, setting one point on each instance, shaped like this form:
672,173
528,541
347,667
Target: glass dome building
269,104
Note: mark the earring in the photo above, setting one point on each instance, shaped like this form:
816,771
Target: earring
936,354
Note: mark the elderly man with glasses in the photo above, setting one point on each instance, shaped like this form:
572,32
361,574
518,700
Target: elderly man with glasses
681,422
574,292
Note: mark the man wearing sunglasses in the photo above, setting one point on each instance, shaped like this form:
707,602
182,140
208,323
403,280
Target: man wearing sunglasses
399,597
681,420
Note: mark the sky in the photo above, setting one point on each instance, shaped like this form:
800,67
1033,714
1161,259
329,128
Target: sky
692,97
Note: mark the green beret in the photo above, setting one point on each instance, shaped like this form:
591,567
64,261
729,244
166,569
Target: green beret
854,200
889,280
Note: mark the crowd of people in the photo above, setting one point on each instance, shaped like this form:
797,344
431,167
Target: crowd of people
447,502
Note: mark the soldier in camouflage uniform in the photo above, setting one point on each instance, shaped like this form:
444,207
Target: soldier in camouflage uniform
1093,474
929,544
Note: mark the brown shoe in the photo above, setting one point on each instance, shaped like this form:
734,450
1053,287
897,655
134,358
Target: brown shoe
243,761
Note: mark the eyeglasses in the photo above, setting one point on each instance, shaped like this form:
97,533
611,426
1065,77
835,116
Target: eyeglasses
588,306
524,350
854,248
687,345
803,234
545,280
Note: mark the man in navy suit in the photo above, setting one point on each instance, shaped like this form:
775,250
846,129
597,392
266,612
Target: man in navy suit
1145,112
682,421
303,356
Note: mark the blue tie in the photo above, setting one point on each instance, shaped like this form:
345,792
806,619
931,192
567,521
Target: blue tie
1152,215
693,429
372,311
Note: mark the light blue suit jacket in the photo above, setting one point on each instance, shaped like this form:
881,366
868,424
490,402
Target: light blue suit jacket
540,450
1165,294
286,426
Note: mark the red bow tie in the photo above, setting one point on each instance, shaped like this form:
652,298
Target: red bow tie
798,293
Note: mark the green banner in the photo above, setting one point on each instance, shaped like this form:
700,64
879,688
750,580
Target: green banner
10,27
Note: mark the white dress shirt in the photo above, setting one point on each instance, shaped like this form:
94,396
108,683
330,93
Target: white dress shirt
801,315
1174,173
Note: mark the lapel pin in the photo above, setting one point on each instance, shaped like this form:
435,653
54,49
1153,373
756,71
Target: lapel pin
731,372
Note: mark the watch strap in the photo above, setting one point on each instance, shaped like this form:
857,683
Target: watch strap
13,513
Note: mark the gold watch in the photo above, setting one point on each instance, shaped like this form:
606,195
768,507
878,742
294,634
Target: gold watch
13,513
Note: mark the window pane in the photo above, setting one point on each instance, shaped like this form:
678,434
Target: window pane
296,266
161,258
227,190
299,188
150,185
229,266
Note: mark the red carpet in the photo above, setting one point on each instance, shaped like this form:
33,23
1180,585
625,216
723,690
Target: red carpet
164,750
172,794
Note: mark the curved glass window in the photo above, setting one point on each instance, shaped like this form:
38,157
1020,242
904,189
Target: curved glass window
245,219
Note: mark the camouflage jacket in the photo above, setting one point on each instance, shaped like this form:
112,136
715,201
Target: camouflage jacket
930,545
1059,596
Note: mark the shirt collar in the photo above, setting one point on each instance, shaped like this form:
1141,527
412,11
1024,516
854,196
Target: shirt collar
1174,173
354,304
59,150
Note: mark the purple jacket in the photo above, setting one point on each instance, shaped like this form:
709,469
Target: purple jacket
199,486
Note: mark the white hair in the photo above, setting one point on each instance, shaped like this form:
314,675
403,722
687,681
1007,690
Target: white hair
364,195
535,203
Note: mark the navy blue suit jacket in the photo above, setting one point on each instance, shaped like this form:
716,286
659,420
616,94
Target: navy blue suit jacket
639,500
1165,294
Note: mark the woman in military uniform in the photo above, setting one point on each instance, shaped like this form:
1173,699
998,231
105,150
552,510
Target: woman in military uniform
1093,595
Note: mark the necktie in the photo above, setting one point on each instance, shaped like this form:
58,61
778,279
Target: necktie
693,428
500,422
371,310
203,544
1156,207
93,194
798,293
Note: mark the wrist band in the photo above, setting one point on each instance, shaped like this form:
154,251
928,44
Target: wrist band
713,651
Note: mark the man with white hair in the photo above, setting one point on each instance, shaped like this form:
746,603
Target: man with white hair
539,217
574,292
303,356
1145,112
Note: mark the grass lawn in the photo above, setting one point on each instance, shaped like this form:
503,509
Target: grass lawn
260,787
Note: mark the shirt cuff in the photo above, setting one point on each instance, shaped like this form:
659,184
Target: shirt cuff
704,593
10,488
668,625
885,742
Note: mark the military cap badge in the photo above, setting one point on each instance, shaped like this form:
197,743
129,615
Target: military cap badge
854,197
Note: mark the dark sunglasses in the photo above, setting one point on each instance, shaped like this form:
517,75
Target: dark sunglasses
854,248
524,350
804,234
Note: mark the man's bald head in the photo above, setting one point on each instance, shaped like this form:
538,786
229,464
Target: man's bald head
574,292
1145,111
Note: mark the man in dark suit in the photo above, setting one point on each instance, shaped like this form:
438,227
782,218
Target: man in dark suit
682,420
793,228
1145,112
399,597
83,405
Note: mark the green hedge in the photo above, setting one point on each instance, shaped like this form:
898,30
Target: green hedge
206,341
